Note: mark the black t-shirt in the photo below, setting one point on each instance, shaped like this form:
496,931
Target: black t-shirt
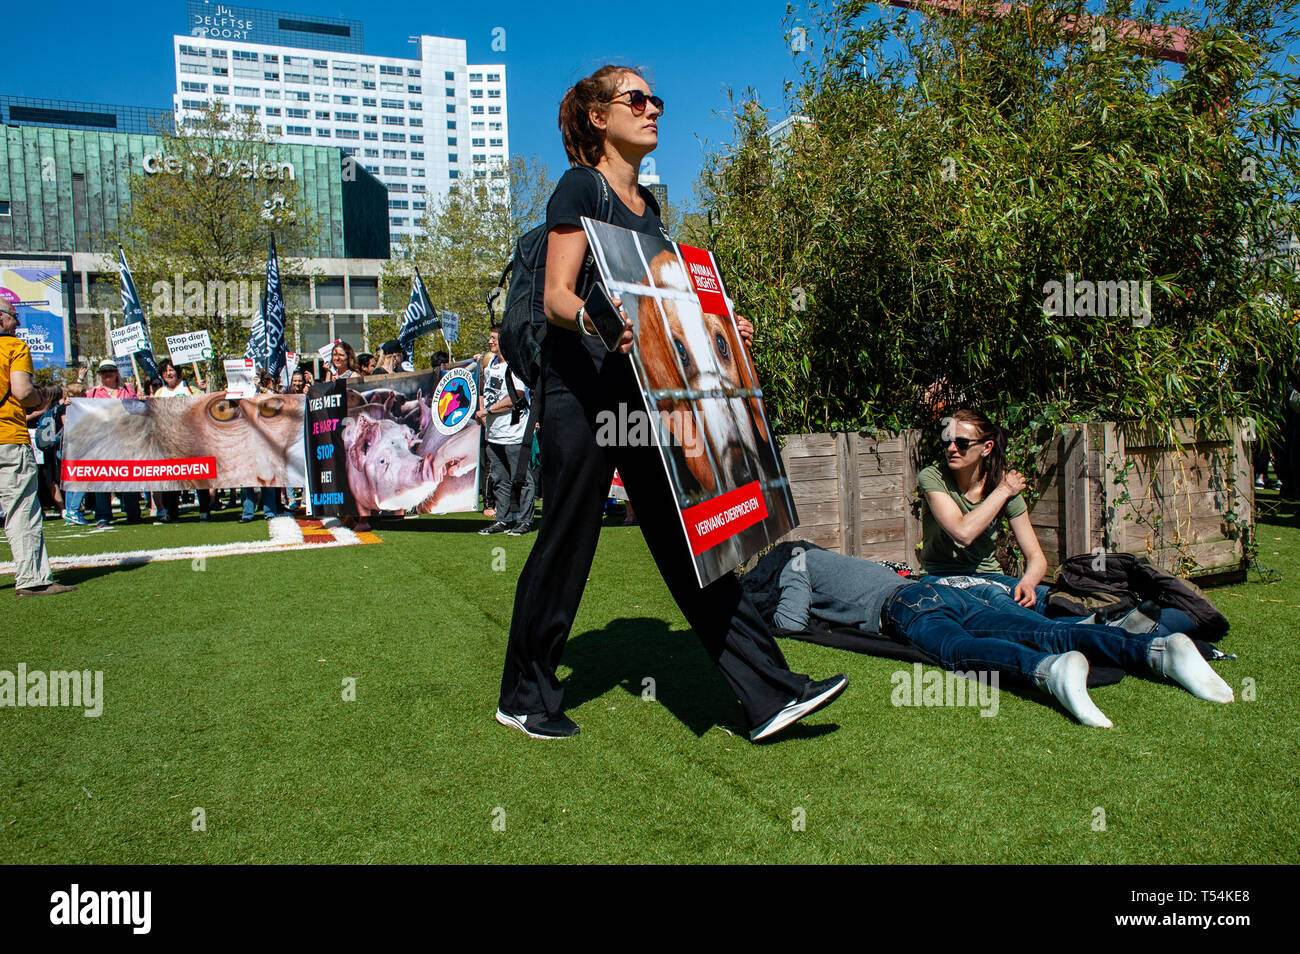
576,195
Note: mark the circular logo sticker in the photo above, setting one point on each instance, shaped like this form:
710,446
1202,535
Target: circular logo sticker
454,401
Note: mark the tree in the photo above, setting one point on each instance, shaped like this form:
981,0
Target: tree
197,229
954,172
466,238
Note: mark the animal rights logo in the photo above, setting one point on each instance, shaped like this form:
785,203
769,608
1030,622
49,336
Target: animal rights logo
454,401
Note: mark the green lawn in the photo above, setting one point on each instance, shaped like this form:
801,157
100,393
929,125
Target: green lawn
223,690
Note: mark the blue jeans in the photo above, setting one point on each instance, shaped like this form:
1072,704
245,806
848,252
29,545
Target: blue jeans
1171,620
270,498
1040,591
72,501
966,631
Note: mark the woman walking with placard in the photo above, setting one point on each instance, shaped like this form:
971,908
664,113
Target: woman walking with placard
610,122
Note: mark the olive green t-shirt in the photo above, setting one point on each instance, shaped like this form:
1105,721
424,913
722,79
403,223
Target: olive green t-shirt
940,553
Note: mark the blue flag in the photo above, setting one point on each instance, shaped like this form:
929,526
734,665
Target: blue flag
133,312
273,357
419,319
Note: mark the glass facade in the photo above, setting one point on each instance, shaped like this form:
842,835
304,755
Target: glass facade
66,188
143,120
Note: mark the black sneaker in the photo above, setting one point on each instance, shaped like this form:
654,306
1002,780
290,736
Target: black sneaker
539,726
815,695
497,527
519,529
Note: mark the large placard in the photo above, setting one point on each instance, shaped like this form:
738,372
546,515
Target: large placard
403,442
701,394
183,442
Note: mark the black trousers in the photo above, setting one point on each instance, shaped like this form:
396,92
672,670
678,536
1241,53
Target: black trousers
578,472
171,502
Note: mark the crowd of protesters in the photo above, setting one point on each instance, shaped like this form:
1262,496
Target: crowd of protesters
44,419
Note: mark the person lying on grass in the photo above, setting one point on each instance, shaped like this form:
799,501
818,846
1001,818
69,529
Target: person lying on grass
969,633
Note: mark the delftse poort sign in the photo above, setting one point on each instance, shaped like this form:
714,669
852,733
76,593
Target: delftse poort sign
328,494
220,22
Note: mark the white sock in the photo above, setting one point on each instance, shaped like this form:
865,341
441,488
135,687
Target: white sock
1176,657
1066,679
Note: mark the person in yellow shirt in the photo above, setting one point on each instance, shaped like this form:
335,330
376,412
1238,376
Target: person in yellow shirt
18,391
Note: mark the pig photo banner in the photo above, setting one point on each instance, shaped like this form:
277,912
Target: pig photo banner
701,394
200,441
395,442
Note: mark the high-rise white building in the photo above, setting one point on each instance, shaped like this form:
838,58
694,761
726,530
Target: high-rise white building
422,125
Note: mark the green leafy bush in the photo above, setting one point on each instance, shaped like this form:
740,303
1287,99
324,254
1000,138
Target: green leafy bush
903,239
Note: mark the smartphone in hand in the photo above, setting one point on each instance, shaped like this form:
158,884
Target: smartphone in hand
605,317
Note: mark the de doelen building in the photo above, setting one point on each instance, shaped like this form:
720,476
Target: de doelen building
62,191
66,168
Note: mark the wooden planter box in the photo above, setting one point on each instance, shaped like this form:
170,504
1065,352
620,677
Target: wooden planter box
1103,486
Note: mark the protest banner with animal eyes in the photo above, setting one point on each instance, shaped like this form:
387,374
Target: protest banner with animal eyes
701,394
406,443
199,441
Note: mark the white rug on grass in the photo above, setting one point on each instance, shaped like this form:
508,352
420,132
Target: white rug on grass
285,534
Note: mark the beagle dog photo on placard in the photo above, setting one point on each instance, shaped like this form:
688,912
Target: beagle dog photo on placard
702,396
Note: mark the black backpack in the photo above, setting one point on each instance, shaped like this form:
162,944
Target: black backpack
523,326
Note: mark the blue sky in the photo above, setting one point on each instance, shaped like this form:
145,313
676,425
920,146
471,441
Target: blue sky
93,52
695,51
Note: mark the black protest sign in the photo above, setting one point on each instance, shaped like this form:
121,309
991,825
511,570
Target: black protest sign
328,494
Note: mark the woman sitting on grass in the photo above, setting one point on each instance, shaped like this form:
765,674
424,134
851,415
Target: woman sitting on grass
964,501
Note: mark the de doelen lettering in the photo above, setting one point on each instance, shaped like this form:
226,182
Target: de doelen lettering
203,164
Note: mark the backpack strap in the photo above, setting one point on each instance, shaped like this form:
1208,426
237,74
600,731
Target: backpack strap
606,194
605,212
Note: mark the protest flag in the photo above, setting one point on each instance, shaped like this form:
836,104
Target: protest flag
273,357
419,318
256,347
133,312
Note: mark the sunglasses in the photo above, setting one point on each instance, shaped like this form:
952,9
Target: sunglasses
963,443
637,101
